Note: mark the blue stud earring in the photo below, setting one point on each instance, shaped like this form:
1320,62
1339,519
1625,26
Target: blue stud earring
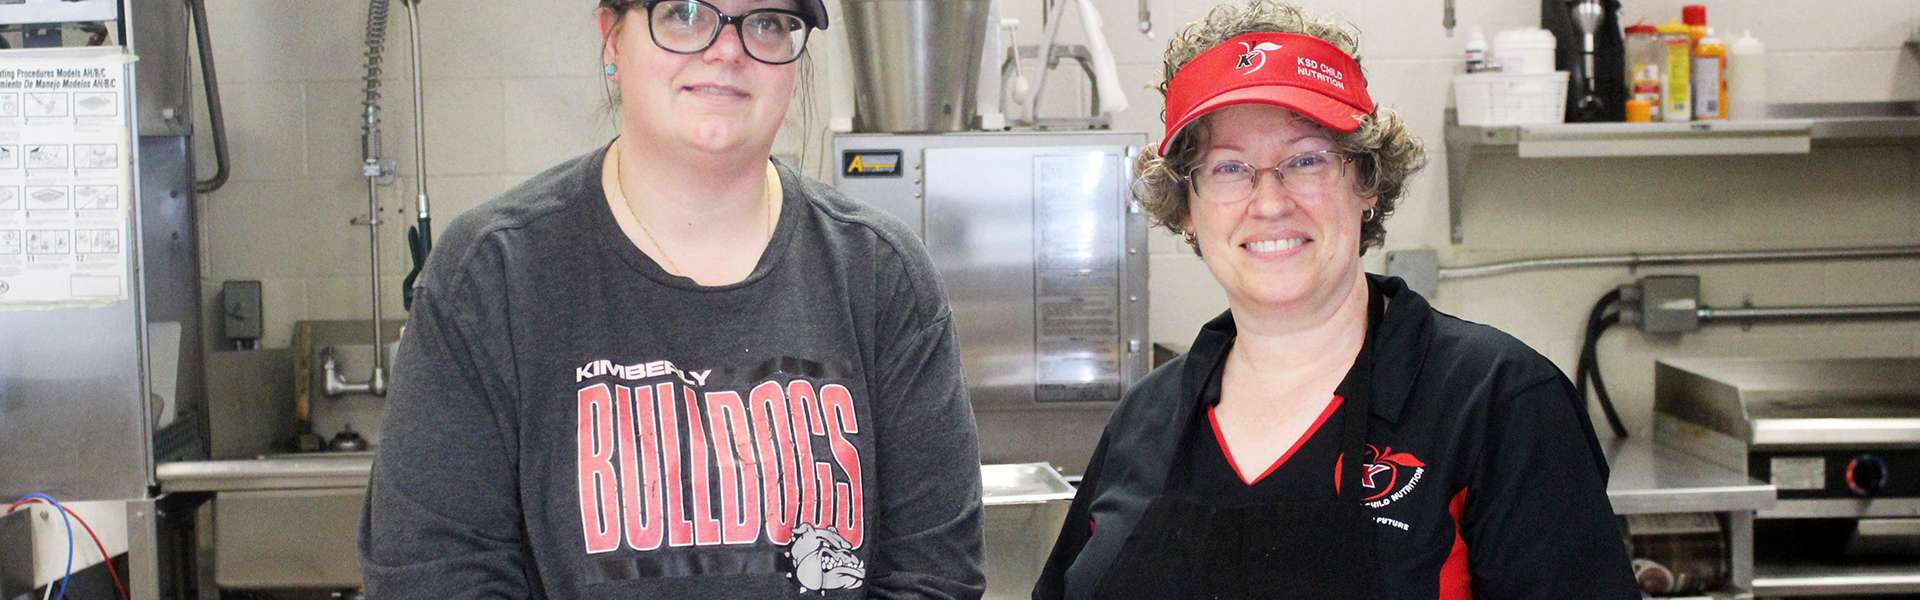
612,69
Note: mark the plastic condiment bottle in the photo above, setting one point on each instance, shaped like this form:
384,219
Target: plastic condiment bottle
1639,110
1676,86
1646,59
1709,83
1747,79
1477,50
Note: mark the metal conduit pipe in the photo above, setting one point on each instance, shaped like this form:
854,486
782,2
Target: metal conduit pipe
1780,313
1636,260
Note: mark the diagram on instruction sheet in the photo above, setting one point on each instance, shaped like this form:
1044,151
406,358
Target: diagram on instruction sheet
95,197
96,104
49,242
46,105
46,156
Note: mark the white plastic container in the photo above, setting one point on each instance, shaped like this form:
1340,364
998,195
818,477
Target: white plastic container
1747,79
1477,51
1524,51
1494,99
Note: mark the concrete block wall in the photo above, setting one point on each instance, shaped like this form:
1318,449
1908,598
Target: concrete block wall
514,87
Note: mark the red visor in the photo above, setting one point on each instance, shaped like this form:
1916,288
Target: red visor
1300,73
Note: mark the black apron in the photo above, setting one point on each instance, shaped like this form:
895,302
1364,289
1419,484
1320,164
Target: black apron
1184,547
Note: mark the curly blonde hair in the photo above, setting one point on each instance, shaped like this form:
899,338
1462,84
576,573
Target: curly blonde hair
1385,154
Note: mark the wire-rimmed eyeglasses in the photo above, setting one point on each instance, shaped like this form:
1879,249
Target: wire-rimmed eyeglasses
1229,181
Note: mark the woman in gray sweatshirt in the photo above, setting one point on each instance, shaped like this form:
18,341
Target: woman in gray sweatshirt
675,368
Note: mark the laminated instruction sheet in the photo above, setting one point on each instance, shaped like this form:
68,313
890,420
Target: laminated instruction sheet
65,178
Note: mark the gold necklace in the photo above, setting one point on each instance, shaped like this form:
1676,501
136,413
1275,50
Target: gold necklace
620,197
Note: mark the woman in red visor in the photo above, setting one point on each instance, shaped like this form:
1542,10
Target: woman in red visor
1330,435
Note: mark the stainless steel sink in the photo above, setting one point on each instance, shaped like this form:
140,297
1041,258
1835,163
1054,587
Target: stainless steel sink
284,521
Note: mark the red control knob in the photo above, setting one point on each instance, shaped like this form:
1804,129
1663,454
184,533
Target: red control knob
1867,475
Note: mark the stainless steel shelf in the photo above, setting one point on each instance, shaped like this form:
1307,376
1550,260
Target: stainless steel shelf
1792,129
1825,580
1650,478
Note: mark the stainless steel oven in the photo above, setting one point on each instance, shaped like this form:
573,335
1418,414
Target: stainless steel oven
1044,257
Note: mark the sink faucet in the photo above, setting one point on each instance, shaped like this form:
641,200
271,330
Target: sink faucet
336,385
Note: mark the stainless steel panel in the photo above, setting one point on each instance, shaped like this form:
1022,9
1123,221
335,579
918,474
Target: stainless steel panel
170,253
980,233
1648,478
917,62
1879,433
1031,244
73,416
161,38
1882,537
258,547
249,402
1025,506
1843,508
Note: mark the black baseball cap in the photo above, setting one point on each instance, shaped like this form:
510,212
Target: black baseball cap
818,8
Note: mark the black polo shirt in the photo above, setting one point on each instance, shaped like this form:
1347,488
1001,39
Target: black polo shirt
1305,471
1487,479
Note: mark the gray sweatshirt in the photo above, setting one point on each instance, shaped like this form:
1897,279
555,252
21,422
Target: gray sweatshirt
568,420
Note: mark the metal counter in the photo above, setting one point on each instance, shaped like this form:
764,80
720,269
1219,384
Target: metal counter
1651,478
288,472
257,547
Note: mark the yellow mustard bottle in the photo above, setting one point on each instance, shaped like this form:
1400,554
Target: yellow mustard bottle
1676,84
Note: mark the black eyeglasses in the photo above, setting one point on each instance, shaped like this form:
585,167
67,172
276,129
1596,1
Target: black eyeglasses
769,35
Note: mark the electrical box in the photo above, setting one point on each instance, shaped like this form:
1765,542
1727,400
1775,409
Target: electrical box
20,12
241,310
1670,303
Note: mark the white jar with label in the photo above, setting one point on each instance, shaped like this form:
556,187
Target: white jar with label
1525,51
